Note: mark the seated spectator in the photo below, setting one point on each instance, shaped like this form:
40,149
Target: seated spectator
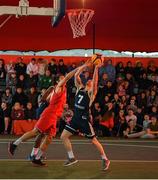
109,89
46,80
131,116
142,100
96,112
21,81
120,124
144,82
106,122
121,90
154,112
5,121
146,122
152,99
7,97
33,97
140,117
103,80
30,112
17,112
31,80
20,97
152,130
132,106
116,101
132,128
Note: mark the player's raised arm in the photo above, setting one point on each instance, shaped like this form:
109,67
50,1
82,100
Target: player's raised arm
67,77
94,84
78,82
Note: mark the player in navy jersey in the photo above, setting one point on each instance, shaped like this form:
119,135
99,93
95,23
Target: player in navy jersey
80,122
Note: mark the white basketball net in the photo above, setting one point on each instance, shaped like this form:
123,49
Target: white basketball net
79,19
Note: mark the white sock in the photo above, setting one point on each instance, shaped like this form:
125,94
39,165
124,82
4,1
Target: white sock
70,154
104,157
39,154
34,151
18,141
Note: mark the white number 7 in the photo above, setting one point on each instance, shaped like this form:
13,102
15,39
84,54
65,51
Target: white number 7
80,98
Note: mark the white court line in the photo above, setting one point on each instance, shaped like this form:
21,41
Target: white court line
105,144
100,140
85,160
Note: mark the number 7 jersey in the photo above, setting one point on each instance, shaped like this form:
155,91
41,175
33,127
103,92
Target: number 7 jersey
82,101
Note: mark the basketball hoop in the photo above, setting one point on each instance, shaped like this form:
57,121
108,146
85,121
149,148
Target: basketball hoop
79,18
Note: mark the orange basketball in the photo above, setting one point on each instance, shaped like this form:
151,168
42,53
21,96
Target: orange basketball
96,59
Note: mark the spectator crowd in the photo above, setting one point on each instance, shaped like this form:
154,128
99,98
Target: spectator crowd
126,104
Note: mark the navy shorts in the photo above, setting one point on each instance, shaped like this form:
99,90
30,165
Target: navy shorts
80,125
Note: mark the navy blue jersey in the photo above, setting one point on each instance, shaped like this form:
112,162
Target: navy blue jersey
82,101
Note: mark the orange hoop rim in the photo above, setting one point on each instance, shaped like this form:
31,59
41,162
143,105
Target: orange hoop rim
79,10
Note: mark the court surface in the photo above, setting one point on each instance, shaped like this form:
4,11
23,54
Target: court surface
130,159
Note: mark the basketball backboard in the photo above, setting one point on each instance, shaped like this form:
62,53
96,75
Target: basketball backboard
60,7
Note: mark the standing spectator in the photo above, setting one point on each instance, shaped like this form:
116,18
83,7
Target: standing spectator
138,70
62,68
42,66
17,112
12,82
20,67
9,68
110,70
120,68
53,68
32,67
2,75
129,68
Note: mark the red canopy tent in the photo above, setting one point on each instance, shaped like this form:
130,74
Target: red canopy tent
120,25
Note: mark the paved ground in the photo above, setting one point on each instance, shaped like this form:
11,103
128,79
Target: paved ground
129,159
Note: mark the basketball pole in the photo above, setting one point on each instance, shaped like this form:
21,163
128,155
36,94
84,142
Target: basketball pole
94,37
